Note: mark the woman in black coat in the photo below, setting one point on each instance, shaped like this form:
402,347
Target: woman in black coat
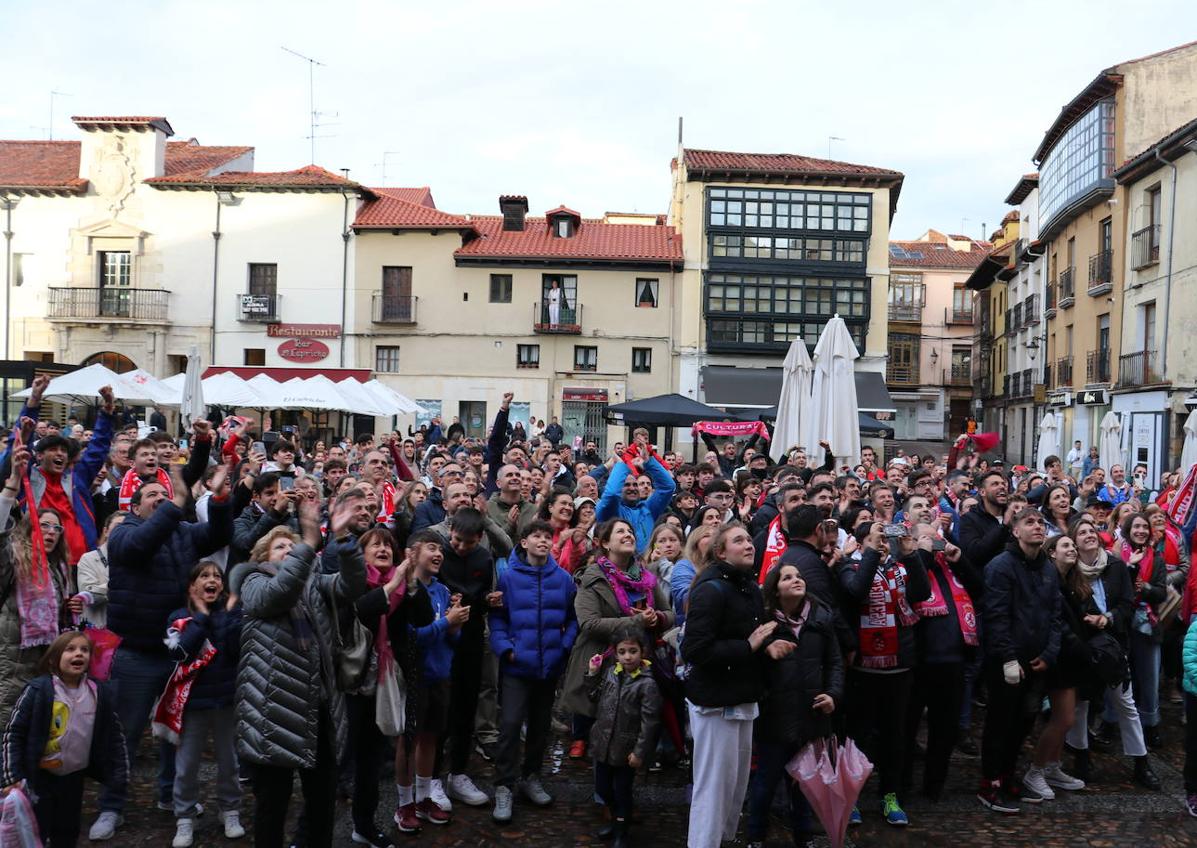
804,681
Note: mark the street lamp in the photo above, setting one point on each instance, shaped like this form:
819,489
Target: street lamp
8,203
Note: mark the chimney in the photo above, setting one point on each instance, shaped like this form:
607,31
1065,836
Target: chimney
514,207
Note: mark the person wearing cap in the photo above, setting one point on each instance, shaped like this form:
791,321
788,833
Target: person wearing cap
1100,509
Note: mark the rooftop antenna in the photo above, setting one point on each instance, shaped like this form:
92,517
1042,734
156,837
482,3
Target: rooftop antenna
964,221
679,130
313,114
54,94
383,163
830,139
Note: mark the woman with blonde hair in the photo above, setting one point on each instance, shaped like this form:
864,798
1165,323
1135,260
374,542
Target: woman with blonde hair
695,558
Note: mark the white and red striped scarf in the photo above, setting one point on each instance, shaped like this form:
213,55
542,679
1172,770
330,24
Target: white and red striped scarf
881,614
386,504
131,482
775,546
168,712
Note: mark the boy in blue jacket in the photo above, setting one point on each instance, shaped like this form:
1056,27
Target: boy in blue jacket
531,634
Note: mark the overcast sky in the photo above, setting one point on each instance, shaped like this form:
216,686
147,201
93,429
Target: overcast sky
577,103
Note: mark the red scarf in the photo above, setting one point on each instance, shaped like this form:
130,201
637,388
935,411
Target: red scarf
936,605
1146,567
131,482
167,717
881,614
382,643
775,546
386,501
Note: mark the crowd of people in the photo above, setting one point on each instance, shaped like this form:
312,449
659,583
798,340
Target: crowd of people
312,610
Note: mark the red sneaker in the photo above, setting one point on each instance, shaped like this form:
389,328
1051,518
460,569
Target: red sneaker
577,750
431,813
406,819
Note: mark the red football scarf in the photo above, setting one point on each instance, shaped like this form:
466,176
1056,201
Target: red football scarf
775,546
881,614
386,501
130,483
167,721
936,605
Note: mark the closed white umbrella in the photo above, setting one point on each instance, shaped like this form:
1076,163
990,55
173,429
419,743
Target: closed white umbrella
191,404
795,403
1049,439
1188,453
1109,443
833,396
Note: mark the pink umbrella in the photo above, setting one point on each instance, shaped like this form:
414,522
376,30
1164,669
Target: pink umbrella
831,777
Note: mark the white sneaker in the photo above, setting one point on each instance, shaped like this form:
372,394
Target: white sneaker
232,824
502,812
1057,777
463,789
105,825
436,793
184,835
1037,783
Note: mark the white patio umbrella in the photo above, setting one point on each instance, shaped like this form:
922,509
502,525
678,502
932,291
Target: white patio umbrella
298,393
227,389
1049,439
363,403
83,386
794,406
267,391
1109,444
1188,453
833,396
382,391
145,384
191,404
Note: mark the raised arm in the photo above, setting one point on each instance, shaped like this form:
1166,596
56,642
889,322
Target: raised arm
496,442
608,505
663,487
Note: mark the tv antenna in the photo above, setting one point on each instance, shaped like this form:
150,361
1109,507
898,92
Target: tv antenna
54,94
313,115
830,139
383,163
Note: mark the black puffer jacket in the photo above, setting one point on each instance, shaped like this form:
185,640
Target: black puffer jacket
1022,608
815,667
628,710
725,606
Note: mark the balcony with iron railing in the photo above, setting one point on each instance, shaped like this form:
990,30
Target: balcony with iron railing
959,374
108,303
263,308
1067,287
1139,369
901,375
1064,372
957,315
1097,366
1049,305
1048,374
1014,385
1145,246
394,309
568,323
1030,310
910,312
1028,382
1018,319
1101,272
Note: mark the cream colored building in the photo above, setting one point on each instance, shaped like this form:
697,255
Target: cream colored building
930,338
1157,369
454,310
128,248
775,244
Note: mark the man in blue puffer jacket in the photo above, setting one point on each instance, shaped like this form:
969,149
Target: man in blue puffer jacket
621,497
150,555
531,634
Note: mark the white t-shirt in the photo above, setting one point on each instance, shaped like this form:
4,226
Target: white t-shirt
72,723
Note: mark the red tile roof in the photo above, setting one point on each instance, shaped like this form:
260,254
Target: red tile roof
54,165
41,166
926,254
182,157
594,241
307,177
406,209
779,163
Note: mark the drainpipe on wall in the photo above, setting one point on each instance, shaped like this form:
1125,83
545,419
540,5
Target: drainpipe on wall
1168,265
9,203
215,276
344,269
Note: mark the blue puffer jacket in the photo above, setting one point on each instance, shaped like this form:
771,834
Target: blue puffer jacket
642,515
216,682
430,512
149,561
1189,658
435,641
537,622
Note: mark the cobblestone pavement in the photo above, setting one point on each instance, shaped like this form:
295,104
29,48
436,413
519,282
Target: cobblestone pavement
1113,813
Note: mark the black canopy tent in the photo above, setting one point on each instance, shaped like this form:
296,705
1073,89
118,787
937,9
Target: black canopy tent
672,410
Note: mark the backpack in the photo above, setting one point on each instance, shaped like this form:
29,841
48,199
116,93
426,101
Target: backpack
1107,659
